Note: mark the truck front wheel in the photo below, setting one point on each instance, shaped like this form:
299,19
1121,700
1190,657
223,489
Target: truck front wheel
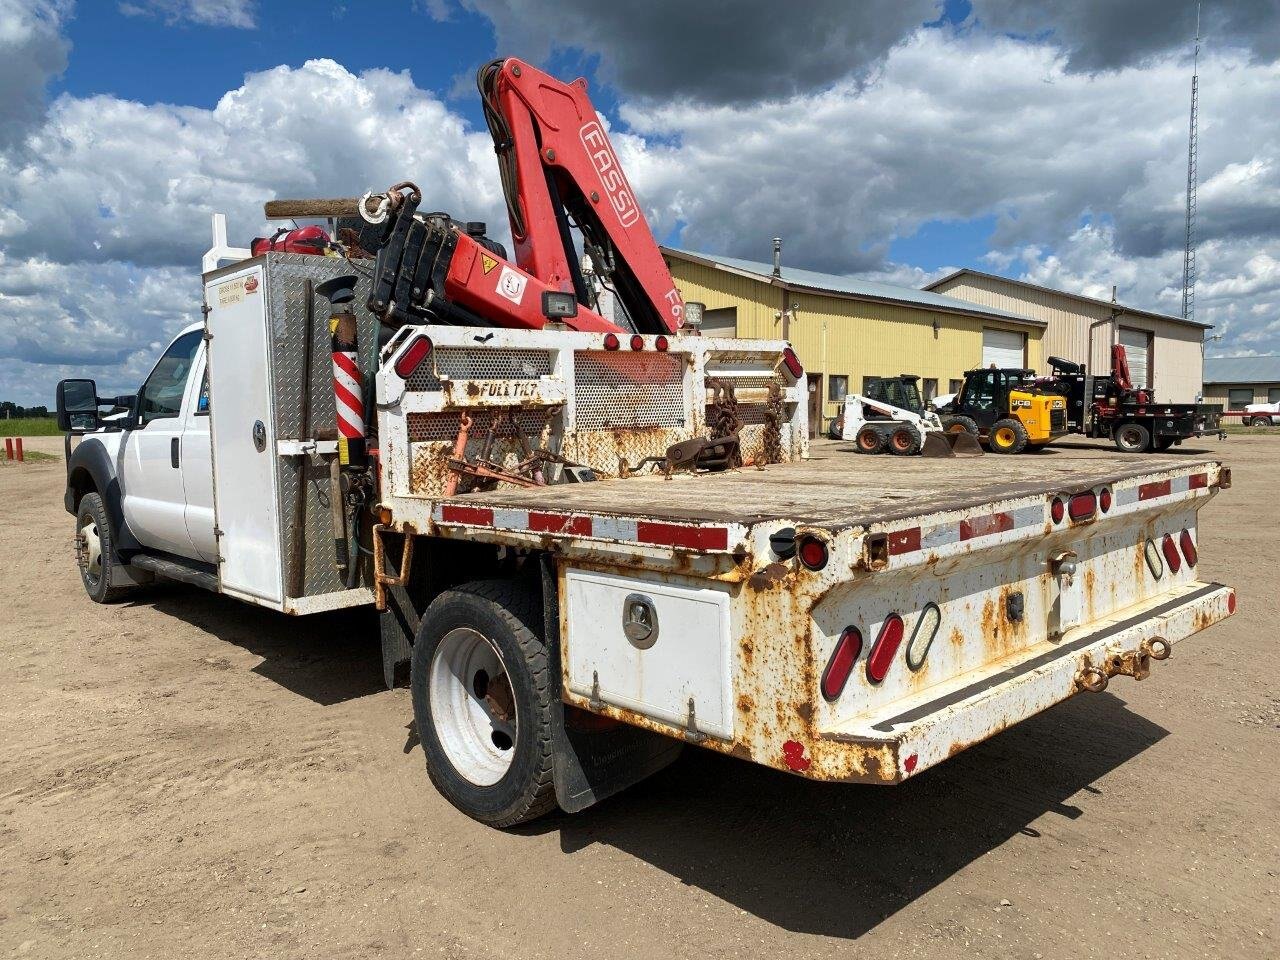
95,548
1131,438
482,698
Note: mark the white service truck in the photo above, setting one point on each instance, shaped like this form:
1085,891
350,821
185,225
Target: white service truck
840,618
595,539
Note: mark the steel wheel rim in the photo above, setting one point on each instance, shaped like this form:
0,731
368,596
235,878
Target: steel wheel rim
902,441
466,683
1129,436
1004,437
90,554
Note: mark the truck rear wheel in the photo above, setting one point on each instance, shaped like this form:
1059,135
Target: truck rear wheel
95,548
1008,436
1131,438
482,698
870,440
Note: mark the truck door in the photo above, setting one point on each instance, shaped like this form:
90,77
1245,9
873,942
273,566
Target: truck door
154,501
197,465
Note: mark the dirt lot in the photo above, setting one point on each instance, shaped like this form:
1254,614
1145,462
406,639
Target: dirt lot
185,776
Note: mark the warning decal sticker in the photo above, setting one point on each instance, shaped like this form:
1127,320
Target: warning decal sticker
487,263
511,285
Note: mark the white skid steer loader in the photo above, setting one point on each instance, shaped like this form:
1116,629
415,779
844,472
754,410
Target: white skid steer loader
890,418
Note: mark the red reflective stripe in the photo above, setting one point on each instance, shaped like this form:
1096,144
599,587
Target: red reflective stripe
348,398
559,523
476,516
985,526
678,535
1157,488
349,430
904,541
347,363
1197,481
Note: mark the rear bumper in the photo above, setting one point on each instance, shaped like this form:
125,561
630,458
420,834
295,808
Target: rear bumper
923,732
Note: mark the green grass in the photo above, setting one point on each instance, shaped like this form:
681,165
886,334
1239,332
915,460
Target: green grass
29,427
1239,429
30,456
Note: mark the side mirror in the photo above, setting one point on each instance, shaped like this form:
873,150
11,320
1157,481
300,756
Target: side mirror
78,406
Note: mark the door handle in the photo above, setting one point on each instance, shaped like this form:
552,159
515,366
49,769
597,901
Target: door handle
173,451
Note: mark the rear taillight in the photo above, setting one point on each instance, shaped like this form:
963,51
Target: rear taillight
1231,602
637,342
1104,499
660,342
419,349
1057,510
886,647
610,341
792,363
922,636
812,552
1082,506
1154,563
1188,548
1170,551
840,666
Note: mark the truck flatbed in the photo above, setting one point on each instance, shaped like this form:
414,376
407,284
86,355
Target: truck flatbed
836,490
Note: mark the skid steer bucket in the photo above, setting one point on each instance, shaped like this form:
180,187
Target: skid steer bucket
960,444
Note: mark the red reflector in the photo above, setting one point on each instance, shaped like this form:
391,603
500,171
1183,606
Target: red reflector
610,341
1170,551
1188,547
792,362
1058,510
812,553
637,342
1082,506
1104,499
1231,602
1197,481
660,342
886,647
418,350
841,663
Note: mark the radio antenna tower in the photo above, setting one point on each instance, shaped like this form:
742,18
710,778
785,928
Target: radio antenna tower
1189,251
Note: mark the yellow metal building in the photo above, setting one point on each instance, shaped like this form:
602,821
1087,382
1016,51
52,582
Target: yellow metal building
846,331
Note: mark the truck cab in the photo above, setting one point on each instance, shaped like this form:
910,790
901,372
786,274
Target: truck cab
146,469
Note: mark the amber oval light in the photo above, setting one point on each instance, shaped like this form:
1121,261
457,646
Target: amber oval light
1104,499
1057,510
419,349
840,666
886,647
637,342
1082,506
792,362
1170,551
1188,547
812,553
660,342
610,341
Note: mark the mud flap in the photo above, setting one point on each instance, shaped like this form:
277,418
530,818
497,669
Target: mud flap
590,765
398,625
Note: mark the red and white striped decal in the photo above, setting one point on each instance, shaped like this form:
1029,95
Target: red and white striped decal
683,535
347,394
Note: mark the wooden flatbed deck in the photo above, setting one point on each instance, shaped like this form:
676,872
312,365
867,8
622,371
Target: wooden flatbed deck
838,488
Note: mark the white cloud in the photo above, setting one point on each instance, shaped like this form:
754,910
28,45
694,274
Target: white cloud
241,14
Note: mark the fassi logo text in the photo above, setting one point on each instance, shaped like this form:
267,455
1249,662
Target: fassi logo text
612,179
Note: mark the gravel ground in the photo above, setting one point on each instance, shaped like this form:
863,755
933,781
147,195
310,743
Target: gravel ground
186,776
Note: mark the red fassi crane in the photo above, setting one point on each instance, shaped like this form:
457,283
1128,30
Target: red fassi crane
559,172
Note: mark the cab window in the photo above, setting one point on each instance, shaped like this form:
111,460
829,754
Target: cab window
162,393
980,391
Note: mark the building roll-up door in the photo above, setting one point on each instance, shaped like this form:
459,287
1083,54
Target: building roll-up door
1004,348
1137,347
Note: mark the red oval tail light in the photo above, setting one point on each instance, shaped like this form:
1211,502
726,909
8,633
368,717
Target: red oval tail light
419,349
1170,551
1082,506
840,666
886,647
1057,510
1188,548
1104,499
792,363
